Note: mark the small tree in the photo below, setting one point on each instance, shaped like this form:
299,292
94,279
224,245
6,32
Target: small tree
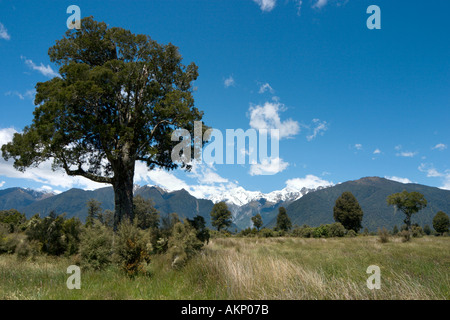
94,210
427,230
283,220
147,216
199,224
441,222
348,212
257,221
220,216
407,202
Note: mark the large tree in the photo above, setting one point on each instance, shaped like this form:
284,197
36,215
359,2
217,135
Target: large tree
117,101
348,212
407,202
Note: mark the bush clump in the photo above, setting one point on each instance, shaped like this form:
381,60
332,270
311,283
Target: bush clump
96,247
183,244
383,235
351,233
132,248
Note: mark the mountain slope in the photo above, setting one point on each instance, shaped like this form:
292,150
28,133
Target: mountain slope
316,208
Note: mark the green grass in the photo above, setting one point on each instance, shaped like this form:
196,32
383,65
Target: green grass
253,268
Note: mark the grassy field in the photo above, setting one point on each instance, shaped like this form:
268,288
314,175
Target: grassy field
253,268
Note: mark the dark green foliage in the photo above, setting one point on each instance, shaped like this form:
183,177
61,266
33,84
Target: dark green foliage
266,233
94,212
13,219
248,232
108,218
427,230
304,232
336,230
366,232
395,230
72,229
86,121
49,231
283,220
348,211
96,247
146,215
314,207
441,222
220,216
407,202
202,232
257,221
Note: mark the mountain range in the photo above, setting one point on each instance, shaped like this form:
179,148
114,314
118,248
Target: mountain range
305,206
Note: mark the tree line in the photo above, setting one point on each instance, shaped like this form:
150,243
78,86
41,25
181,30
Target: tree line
348,216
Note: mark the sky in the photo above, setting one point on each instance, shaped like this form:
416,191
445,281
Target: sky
349,101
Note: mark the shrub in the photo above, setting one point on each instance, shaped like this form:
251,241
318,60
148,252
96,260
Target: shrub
321,231
28,249
9,242
336,230
248,232
304,231
49,232
96,247
366,232
416,231
427,230
395,230
266,233
132,248
183,244
351,233
405,235
383,235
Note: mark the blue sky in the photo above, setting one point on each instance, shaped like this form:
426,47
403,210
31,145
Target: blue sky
352,102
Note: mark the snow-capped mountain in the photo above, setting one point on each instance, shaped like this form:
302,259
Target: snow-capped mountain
239,196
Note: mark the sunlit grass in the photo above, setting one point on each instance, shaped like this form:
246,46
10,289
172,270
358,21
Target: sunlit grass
253,268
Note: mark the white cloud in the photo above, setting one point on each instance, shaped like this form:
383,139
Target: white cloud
440,147
44,70
358,146
265,87
319,127
267,117
43,173
319,4
4,33
399,179
406,154
377,151
266,5
2,184
309,182
268,166
299,7
29,94
433,173
229,82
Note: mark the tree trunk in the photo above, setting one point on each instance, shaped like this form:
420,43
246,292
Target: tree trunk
123,193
